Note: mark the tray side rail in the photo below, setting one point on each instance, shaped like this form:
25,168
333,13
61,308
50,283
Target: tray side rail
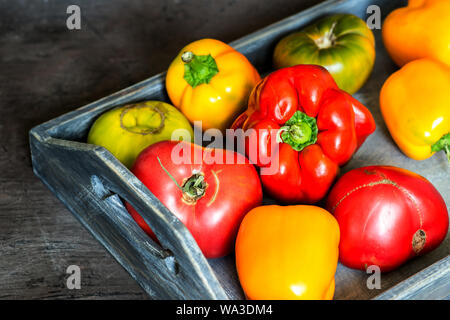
92,184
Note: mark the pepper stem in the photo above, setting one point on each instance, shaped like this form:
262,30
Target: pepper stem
198,69
193,188
187,56
443,144
299,131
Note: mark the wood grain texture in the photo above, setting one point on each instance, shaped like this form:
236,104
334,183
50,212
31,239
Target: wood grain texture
46,71
431,283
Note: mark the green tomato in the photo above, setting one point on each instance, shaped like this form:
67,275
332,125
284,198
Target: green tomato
341,43
127,130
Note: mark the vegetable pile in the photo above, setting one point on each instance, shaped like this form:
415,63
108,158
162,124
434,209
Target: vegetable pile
298,125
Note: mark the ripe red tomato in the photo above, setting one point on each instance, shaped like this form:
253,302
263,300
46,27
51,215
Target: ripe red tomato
210,197
387,216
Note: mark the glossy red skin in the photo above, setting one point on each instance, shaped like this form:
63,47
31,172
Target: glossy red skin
233,190
343,123
379,209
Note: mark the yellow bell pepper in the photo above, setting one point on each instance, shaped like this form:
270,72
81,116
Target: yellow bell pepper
209,81
419,30
288,252
415,104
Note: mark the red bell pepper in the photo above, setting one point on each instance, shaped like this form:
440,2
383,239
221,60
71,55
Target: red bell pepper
318,128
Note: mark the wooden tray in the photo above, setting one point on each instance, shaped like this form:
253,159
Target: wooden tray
92,184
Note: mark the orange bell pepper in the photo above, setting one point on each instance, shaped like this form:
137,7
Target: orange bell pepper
209,81
288,252
415,104
419,30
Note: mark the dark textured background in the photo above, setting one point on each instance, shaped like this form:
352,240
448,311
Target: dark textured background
47,70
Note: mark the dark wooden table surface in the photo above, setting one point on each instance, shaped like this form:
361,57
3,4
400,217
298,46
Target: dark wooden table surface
47,70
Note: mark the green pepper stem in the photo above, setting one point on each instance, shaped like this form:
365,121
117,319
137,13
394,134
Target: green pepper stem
198,69
299,131
443,144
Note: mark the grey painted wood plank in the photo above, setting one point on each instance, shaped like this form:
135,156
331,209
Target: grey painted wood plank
430,284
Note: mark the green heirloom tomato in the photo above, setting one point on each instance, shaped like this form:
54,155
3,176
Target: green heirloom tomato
127,130
341,43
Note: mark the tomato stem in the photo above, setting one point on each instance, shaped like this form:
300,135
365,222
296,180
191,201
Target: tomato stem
168,173
328,39
194,187
419,240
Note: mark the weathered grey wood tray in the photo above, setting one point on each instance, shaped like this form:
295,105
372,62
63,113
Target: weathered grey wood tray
91,183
